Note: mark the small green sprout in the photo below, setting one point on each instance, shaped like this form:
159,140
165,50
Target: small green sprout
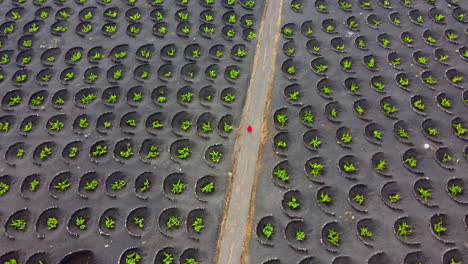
418,104
412,162
293,204
139,222
45,152
216,156
52,223
83,123
20,153
63,185
402,133
364,232
172,222
184,153
100,150
460,130
4,188
439,227
424,193
133,258
455,190
308,117
118,185
388,108
315,143
109,223
178,187
282,119
346,137
268,230
33,185
404,230
325,198
126,154
333,237
359,199
208,188
91,185
282,175
300,236
56,126
446,103
152,153
18,224
381,166
349,167
73,152
432,131
198,225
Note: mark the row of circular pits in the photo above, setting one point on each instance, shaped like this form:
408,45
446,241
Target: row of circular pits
330,25
189,72
367,5
313,46
388,193
338,44
192,52
444,156
371,127
88,256
134,228
135,97
133,14
372,225
130,123
353,86
453,76
91,185
151,150
156,29
381,257
225,3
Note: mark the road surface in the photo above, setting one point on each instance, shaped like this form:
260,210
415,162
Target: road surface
240,196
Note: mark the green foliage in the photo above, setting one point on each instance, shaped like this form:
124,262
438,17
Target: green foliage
168,258
394,198
146,186
100,150
455,190
133,258
20,153
320,68
325,198
315,143
333,237
307,117
185,125
316,169
282,144
404,230
139,222
424,193
281,119
216,156
208,188
63,185
126,154
268,230
346,137
4,188
45,152
293,204
402,133
381,166
300,236
439,227
73,152
80,222
412,162
109,223
178,187
282,175
4,126
359,199
118,185
364,232
19,224
52,223
187,97
389,109
446,103
198,225
371,63
172,222
152,153
14,100
183,153
378,85
87,99
91,185
349,167
33,185
418,105
460,130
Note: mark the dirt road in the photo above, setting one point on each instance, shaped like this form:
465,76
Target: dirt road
238,213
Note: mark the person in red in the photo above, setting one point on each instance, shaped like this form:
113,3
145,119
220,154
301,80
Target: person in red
249,129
